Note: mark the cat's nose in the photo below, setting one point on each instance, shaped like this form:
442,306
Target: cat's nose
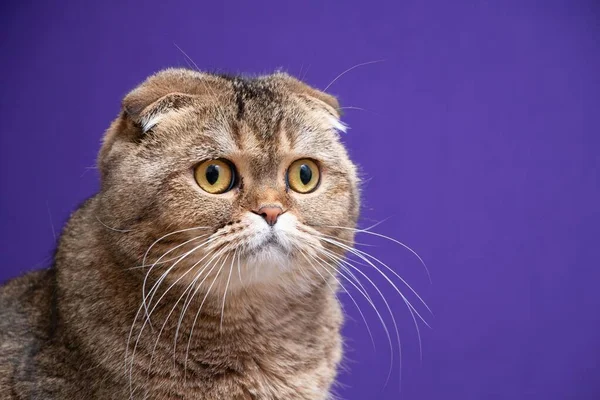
270,213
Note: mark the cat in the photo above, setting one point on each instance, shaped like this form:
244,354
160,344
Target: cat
205,267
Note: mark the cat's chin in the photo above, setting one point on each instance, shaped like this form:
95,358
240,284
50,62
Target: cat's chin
266,263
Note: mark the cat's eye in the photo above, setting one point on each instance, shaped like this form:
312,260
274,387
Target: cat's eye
303,176
215,176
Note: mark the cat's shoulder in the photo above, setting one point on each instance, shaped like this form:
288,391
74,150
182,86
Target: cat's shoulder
24,288
25,315
26,307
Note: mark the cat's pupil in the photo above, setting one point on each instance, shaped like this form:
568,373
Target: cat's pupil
305,174
212,174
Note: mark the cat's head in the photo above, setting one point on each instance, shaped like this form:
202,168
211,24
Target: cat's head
242,179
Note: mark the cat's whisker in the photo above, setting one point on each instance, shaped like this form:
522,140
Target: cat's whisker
368,232
397,331
410,307
166,261
366,256
323,264
188,58
156,263
350,69
349,242
147,320
239,268
150,248
154,289
317,271
216,257
187,291
225,292
352,108
187,351
108,227
302,270
179,279
339,261
412,312
376,224
167,235
129,367
343,265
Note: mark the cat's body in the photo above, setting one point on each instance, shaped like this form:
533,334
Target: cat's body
267,328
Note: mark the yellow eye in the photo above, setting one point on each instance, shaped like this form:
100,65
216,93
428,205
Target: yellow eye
215,176
303,176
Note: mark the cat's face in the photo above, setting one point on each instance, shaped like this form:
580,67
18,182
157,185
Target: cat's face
228,180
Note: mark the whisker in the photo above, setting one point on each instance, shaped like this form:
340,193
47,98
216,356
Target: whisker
167,235
323,265
225,293
239,269
187,57
212,93
166,261
110,227
150,248
410,307
154,289
190,297
187,351
343,263
187,290
147,320
361,254
350,69
350,242
388,238
376,224
339,261
391,316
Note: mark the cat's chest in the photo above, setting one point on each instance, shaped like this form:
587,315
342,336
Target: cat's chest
253,382
250,368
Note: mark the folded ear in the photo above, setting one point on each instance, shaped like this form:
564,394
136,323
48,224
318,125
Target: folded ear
330,102
144,107
163,92
326,98
148,116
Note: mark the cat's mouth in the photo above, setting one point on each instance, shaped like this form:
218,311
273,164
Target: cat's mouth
259,243
271,242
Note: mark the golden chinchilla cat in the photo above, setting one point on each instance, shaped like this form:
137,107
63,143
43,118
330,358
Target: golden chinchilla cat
205,266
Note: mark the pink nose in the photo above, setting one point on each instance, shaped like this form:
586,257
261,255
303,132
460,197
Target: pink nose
270,214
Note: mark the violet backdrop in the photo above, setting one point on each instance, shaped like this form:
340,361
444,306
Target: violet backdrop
478,135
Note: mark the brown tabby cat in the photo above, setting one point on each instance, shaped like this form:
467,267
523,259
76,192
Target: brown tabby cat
203,269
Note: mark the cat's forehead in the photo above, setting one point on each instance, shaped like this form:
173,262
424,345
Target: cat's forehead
264,104
267,130
262,117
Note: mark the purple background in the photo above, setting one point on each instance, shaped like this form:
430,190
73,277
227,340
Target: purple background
479,138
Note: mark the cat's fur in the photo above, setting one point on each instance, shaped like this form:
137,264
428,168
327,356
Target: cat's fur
66,332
